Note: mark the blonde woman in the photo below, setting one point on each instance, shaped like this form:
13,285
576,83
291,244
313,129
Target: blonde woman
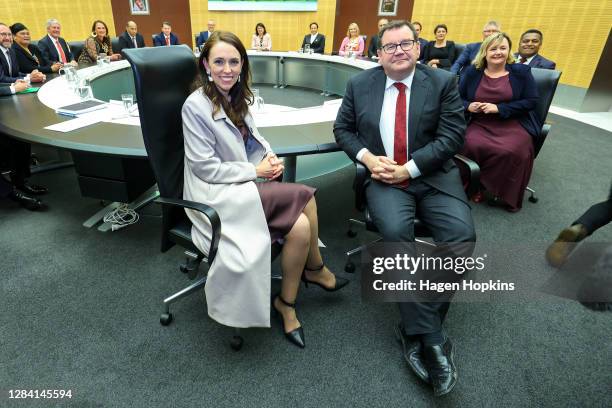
500,97
353,42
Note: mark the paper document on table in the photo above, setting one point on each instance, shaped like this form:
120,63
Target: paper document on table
73,124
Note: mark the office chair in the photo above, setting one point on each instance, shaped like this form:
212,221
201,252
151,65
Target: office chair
163,77
546,80
115,44
76,47
470,175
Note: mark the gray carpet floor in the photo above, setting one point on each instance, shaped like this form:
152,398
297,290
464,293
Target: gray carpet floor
81,311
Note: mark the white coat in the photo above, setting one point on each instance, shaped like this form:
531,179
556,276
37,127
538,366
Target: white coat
218,172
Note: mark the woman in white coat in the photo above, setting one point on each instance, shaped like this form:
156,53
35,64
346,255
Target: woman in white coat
224,156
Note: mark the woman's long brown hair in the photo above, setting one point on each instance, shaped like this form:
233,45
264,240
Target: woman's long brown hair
240,94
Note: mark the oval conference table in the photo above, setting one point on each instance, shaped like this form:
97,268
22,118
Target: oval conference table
109,154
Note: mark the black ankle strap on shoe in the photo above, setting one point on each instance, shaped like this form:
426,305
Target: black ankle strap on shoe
284,302
315,269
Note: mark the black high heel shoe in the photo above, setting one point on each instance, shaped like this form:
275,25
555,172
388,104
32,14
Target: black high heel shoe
340,282
295,336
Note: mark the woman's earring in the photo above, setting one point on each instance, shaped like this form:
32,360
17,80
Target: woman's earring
238,77
209,77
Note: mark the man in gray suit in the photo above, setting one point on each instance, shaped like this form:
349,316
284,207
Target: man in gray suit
404,121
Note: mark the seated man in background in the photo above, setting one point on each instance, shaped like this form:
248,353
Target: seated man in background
166,37
423,42
375,41
315,40
529,48
205,35
412,172
53,47
131,38
9,68
471,49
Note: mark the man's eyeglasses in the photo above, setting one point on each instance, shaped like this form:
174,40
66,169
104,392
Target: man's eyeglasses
6,35
405,45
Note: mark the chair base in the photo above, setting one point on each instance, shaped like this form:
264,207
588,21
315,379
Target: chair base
532,196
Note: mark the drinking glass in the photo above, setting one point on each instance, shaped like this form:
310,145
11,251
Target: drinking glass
259,102
128,101
306,48
84,92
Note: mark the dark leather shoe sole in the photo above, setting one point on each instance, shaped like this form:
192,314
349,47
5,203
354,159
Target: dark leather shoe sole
417,368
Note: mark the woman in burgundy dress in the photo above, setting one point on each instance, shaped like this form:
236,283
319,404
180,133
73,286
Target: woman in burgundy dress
500,98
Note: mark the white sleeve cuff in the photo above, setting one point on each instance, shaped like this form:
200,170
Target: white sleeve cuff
361,153
12,89
412,168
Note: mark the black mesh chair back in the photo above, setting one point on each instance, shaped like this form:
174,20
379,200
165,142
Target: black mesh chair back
115,44
76,47
163,77
546,80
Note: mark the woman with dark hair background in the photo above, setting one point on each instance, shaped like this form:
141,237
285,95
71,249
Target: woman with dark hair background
29,57
98,43
261,41
224,157
440,53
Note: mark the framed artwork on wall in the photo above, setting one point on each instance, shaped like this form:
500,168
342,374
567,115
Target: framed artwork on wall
387,7
139,6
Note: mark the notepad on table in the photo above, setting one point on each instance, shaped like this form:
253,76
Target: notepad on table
81,107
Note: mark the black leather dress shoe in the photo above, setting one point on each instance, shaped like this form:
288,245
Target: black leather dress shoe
412,353
439,363
33,189
26,201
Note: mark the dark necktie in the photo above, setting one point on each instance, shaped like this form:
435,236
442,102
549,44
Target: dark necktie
523,60
134,41
400,152
7,55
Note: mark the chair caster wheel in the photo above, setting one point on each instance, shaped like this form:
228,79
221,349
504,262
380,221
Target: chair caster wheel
349,267
351,233
236,343
533,199
165,319
183,268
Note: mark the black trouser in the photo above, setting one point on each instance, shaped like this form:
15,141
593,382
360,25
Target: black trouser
393,210
5,188
597,216
15,156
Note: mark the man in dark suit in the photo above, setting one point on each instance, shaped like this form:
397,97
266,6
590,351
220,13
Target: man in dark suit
131,38
422,42
374,42
166,37
404,121
529,49
204,35
315,39
471,49
53,47
9,68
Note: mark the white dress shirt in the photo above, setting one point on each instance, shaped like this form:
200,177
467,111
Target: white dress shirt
313,37
387,122
56,43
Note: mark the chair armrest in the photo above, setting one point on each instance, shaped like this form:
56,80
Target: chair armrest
474,176
209,212
358,185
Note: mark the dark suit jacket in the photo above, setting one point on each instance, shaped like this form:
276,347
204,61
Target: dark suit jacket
5,91
319,43
539,62
202,38
524,95
445,63
465,58
160,40
436,123
27,63
422,42
125,41
50,53
373,47
4,71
